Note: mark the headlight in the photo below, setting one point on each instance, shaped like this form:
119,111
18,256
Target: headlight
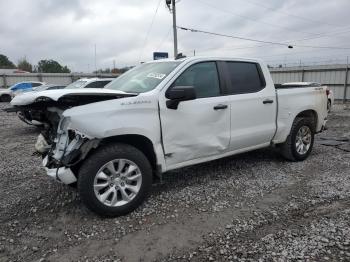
64,123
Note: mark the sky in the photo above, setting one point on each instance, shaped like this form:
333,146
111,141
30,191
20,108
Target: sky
128,32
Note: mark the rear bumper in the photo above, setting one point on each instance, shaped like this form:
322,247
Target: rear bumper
63,175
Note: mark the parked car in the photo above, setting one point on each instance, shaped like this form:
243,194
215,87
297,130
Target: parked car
5,95
25,86
26,115
167,114
48,87
90,83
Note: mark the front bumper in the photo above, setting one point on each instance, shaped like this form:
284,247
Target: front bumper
61,174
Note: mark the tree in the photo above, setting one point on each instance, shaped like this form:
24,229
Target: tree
51,66
24,65
103,71
5,63
120,70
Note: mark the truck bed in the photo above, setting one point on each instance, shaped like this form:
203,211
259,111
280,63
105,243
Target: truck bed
292,100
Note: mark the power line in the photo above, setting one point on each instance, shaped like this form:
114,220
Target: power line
321,35
252,19
230,36
164,38
259,41
288,14
149,30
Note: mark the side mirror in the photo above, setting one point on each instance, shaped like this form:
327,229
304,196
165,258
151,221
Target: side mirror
178,94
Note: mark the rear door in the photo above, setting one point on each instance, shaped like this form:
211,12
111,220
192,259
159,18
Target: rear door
253,105
197,128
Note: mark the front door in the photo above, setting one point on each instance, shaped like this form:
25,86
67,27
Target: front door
197,128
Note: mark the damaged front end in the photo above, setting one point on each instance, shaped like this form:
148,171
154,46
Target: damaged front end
65,153
61,147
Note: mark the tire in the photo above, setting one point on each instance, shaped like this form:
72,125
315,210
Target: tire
97,170
73,185
289,148
329,105
5,98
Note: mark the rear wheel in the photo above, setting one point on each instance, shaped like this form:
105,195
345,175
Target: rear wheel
299,143
115,180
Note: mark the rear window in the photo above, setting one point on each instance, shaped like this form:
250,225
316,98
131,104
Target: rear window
245,77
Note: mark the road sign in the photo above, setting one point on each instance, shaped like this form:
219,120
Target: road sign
160,55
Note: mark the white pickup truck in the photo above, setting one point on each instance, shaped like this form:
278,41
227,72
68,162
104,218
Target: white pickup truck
164,115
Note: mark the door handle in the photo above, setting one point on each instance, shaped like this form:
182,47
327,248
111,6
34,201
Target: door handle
220,106
267,101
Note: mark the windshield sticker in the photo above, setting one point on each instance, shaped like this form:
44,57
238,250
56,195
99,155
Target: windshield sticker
156,75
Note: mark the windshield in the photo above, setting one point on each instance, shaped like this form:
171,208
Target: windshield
143,78
76,84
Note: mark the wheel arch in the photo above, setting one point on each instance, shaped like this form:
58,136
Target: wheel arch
140,142
311,114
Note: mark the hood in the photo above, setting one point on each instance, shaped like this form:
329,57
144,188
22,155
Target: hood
5,91
81,96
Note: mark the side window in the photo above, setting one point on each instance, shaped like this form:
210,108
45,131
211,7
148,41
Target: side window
203,77
36,84
96,84
104,83
245,77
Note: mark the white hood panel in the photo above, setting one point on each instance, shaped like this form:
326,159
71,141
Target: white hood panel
30,97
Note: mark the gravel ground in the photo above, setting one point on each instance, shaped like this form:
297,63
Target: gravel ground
250,207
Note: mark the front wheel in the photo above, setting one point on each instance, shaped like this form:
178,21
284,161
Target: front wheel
300,141
115,180
5,98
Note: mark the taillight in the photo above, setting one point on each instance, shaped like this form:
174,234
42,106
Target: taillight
327,92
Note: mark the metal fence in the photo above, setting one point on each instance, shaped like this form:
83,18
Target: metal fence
7,80
336,77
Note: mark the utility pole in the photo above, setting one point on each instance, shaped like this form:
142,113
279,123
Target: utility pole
173,10
174,28
346,80
95,60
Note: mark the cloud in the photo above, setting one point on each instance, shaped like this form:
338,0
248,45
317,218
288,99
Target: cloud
68,30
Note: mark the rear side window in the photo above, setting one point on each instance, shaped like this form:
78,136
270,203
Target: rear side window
245,77
97,84
36,84
203,77
106,82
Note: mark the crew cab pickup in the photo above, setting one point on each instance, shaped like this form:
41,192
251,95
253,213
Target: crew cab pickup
164,115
